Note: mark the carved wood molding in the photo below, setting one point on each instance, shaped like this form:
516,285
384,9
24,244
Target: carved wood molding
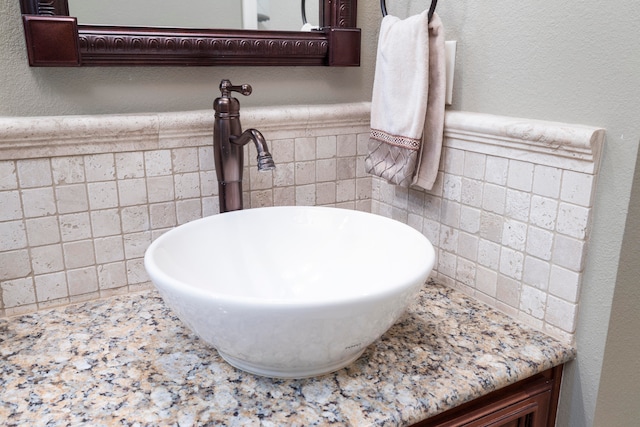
346,14
98,45
45,7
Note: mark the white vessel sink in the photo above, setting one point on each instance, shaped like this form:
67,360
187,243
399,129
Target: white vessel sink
290,292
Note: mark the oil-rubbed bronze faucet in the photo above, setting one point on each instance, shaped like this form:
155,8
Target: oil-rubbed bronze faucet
228,140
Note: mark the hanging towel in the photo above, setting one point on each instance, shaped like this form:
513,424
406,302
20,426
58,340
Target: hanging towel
407,105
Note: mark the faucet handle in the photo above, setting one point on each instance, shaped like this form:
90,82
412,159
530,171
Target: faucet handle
226,88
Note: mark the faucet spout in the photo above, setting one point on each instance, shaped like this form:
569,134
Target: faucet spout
265,160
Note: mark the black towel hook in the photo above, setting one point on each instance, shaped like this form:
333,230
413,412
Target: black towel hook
432,8
304,11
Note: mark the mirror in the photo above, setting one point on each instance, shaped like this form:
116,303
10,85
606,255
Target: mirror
54,38
279,15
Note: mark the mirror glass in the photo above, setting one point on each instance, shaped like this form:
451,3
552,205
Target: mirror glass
280,15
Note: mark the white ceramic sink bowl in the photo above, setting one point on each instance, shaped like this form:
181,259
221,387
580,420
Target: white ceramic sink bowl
290,292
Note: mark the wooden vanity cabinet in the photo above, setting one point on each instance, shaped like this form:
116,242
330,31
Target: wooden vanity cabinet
532,402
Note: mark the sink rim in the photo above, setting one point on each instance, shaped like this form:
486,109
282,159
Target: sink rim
176,285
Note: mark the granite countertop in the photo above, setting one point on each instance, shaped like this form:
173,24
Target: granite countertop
128,360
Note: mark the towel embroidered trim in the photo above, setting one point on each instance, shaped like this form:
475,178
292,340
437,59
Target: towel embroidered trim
396,140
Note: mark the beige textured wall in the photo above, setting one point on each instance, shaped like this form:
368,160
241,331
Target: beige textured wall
572,61
26,91
620,379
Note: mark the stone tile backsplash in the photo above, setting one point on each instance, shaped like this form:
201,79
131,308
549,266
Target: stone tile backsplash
511,232
82,198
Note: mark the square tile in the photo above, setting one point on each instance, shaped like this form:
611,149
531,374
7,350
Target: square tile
187,185
326,170
8,175
51,286
76,226
573,220
306,195
135,218
106,222
489,254
347,145
100,167
260,180
102,195
508,291
517,205
163,215
15,264
564,284
326,147
72,198
514,234
38,202
568,253
34,173
533,302
496,171
577,188
11,205
468,246
543,212
209,183
18,292
486,281
130,165
135,244
305,149
78,254
67,170
188,210
185,160
471,192
520,175
546,181
561,314
111,276
134,191
511,263
326,193
205,158
160,189
453,161
536,273
305,173
261,198
109,249
47,259
539,243
494,198
452,187
474,165
82,281
136,272
43,231
469,219
157,162
12,235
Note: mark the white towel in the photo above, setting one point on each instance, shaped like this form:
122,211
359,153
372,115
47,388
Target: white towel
407,106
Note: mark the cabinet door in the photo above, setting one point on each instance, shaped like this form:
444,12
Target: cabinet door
531,412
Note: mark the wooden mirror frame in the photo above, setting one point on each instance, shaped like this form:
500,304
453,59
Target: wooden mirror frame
55,39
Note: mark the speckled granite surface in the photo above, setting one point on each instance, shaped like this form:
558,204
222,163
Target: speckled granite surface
128,360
